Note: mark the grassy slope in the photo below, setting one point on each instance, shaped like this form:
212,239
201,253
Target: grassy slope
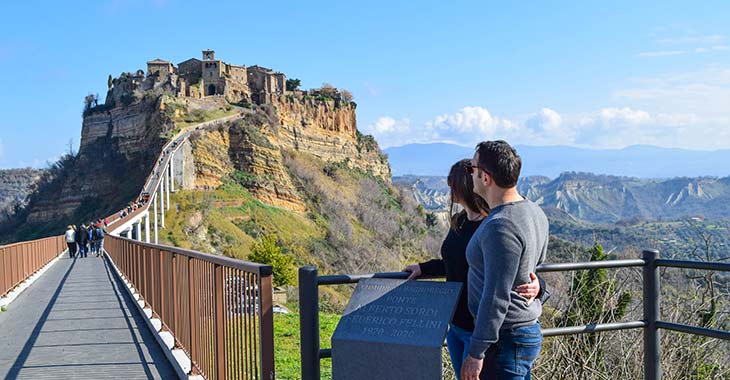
353,222
286,344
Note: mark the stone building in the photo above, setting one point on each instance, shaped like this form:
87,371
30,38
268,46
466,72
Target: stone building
213,77
160,68
265,82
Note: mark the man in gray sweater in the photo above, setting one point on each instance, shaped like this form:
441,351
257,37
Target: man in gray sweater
508,245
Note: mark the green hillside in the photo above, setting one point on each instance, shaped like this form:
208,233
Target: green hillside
354,223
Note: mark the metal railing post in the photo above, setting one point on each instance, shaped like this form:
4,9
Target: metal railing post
266,327
651,292
192,286
309,322
219,323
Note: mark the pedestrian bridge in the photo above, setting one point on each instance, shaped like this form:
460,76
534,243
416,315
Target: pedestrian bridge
78,321
147,311
142,310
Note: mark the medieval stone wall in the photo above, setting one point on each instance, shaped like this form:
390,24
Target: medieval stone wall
191,70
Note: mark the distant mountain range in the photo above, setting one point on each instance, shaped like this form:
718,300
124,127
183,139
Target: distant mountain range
641,161
602,198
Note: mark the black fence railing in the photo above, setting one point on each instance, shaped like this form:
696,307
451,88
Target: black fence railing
309,282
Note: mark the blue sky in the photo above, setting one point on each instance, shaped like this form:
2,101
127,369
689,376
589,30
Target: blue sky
592,74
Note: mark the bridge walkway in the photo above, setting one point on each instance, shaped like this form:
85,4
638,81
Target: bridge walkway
78,322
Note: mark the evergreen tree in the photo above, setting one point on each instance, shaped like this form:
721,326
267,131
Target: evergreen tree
293,84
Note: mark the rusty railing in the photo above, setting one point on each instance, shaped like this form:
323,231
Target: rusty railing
218,309
19,261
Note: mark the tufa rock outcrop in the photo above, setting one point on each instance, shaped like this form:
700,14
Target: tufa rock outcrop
122,137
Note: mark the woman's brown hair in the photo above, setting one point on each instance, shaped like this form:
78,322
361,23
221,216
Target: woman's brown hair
462,189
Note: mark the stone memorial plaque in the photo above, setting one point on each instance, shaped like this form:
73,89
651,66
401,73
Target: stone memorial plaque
393,329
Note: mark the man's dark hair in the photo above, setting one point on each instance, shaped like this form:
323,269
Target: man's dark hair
501,161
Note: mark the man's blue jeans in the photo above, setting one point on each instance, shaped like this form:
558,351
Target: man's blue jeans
515,352
457,340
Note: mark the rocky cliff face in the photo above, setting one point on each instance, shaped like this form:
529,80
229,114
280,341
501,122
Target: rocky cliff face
249,151
244,152
15,185
327,129
117,150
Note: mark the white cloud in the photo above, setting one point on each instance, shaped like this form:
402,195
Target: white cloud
609,127
661,53
701,50
468,120
693,39
686,109
624,115
390,132
546,120
690,44
386,125
468,126
704,93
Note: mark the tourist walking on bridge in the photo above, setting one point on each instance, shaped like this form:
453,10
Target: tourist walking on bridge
505,249
71,240
82,240
453,264
99,239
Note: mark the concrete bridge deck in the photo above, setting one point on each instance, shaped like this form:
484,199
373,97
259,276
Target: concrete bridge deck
78,322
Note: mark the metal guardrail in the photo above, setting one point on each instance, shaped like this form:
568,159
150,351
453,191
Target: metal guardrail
18,261
219,309
309,282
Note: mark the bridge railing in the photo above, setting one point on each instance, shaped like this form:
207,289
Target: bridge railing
18,261
309,281
218,309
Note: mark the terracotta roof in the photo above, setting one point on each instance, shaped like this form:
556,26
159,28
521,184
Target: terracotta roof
157,61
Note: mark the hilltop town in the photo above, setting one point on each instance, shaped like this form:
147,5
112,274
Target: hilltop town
273,120
209,76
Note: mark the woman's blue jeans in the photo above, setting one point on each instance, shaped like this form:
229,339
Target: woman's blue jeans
457,340
511,358
515,352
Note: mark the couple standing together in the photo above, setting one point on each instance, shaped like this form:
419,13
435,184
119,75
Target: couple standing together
493,247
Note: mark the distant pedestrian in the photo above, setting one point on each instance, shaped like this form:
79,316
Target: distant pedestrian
92,240
71,241
82,239
99,240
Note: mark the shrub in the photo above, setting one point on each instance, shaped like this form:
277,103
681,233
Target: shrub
367,143
268,251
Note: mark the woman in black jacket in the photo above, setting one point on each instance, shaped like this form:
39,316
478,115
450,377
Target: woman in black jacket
453,263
